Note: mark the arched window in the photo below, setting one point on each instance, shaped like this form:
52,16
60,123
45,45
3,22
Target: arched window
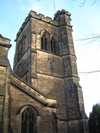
54,48
28,121
45,41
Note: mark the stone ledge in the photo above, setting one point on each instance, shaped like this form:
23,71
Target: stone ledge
32,92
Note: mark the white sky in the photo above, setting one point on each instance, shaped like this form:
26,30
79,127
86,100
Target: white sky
85,21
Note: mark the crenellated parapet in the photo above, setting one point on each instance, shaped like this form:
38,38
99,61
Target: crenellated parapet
49,19
41,17
60,18
38,16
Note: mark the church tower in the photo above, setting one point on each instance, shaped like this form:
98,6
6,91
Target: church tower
45,59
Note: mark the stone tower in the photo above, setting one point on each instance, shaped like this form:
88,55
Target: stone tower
45,59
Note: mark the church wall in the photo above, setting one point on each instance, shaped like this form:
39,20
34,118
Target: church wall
18,100
49,73
47,68
49,64
48,85
22,55
39,25
23,67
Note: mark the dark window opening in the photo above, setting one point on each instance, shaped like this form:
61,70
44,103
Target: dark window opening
28,122
42,43
53,46
54,123
49,45
45,44
45,41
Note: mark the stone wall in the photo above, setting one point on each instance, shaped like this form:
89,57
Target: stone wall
19,100
23,53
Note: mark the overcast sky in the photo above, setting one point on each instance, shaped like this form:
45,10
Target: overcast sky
86,24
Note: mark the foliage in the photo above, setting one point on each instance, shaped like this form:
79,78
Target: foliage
94,119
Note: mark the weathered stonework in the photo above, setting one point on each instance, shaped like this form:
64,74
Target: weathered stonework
42,94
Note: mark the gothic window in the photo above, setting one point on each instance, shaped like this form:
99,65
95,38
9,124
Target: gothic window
45,40
44,43
54,123
28,121
54,47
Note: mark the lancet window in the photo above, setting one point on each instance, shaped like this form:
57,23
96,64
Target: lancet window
28,121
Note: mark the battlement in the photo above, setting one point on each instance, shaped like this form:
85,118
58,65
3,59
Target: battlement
49,19
41,17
